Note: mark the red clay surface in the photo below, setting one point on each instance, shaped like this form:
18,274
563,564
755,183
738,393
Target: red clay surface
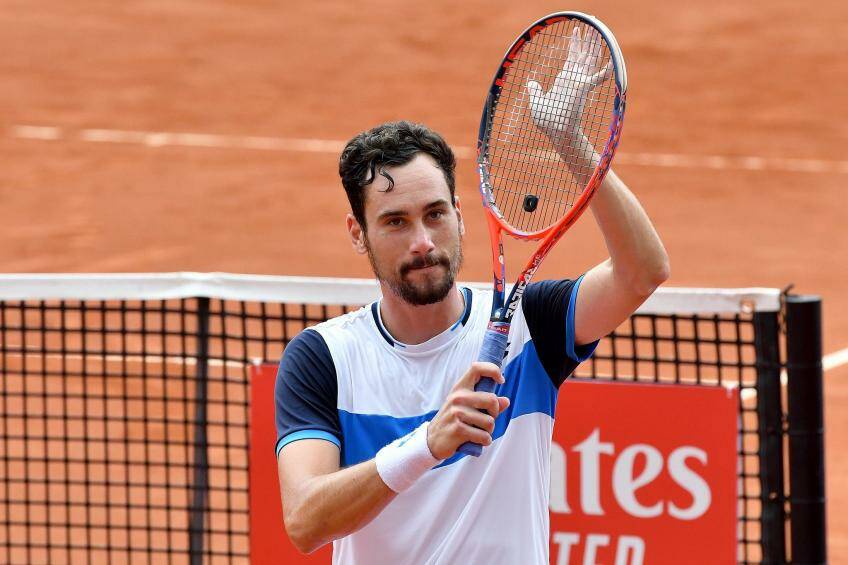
761,79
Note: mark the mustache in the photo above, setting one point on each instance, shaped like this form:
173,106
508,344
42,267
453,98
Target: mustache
425,261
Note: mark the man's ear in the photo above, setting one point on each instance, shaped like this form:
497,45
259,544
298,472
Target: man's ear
459,215
357,235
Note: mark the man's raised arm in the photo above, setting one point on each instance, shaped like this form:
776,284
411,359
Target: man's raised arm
637,264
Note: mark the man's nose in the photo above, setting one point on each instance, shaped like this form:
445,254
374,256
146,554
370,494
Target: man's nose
422,240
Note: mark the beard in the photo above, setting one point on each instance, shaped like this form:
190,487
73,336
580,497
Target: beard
436,284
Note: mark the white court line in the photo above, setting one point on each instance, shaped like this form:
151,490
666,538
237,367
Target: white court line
36,132
835,359
32,352
747,394
164,139
721,162
175,139
830,361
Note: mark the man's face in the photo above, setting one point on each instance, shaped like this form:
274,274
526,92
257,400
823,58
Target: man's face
413,236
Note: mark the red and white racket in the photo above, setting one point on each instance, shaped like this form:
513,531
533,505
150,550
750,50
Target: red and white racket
550,127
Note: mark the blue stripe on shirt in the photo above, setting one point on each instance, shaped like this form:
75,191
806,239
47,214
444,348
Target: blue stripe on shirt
582,352
527,386
306,434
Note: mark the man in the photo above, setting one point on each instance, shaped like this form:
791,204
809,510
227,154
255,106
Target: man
372,406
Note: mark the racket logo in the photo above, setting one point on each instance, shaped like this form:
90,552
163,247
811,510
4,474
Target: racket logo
518,293
498,327
519,290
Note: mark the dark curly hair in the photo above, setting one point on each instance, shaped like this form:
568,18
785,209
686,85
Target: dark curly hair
389,144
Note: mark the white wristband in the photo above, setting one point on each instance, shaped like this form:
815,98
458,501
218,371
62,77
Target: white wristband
406,459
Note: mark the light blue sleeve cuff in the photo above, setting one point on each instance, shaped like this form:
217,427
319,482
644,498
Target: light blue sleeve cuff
582,352
306,434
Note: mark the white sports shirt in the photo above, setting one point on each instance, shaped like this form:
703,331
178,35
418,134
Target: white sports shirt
347,381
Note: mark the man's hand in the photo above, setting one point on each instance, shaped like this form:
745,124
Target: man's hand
460,418
559,111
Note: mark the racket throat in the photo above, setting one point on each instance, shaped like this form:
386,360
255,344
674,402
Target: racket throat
517,293
515,299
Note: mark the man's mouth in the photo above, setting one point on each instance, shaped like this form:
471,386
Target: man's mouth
424,264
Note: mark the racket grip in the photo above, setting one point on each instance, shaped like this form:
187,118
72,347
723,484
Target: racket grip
494,345
492,351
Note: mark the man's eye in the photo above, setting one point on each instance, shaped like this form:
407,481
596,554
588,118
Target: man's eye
394,222
436,214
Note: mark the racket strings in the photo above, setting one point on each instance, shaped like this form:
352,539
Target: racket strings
533,183
555,53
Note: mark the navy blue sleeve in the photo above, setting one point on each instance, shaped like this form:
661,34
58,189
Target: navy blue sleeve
306,392
548,308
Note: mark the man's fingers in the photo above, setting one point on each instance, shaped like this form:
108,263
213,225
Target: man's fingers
574,46
601,75
477,419
592,46
536,92
477,371
475,434
482,369
585,50
503,403
487,401
477,400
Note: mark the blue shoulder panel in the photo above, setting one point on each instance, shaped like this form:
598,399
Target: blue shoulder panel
306,392
549,308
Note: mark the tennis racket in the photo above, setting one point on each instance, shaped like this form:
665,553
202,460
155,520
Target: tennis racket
550,127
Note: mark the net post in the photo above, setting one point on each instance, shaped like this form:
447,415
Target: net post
805,384
770,437
200,479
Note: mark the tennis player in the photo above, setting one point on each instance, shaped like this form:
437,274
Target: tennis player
372,406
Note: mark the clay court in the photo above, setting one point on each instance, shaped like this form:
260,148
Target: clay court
152,136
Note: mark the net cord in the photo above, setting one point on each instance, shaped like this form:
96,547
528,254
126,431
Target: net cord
324,290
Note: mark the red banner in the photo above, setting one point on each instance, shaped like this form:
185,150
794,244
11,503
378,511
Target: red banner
269,544
644,473
640,473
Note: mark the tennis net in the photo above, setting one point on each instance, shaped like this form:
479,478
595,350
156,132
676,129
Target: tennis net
125,405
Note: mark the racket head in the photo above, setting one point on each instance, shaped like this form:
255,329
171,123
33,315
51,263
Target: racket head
528,186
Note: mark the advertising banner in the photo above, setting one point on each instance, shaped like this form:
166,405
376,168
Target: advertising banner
644,473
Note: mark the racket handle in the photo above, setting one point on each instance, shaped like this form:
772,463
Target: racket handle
494,345
492,351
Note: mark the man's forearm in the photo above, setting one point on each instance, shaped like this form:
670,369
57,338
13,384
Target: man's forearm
334,505
636,252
